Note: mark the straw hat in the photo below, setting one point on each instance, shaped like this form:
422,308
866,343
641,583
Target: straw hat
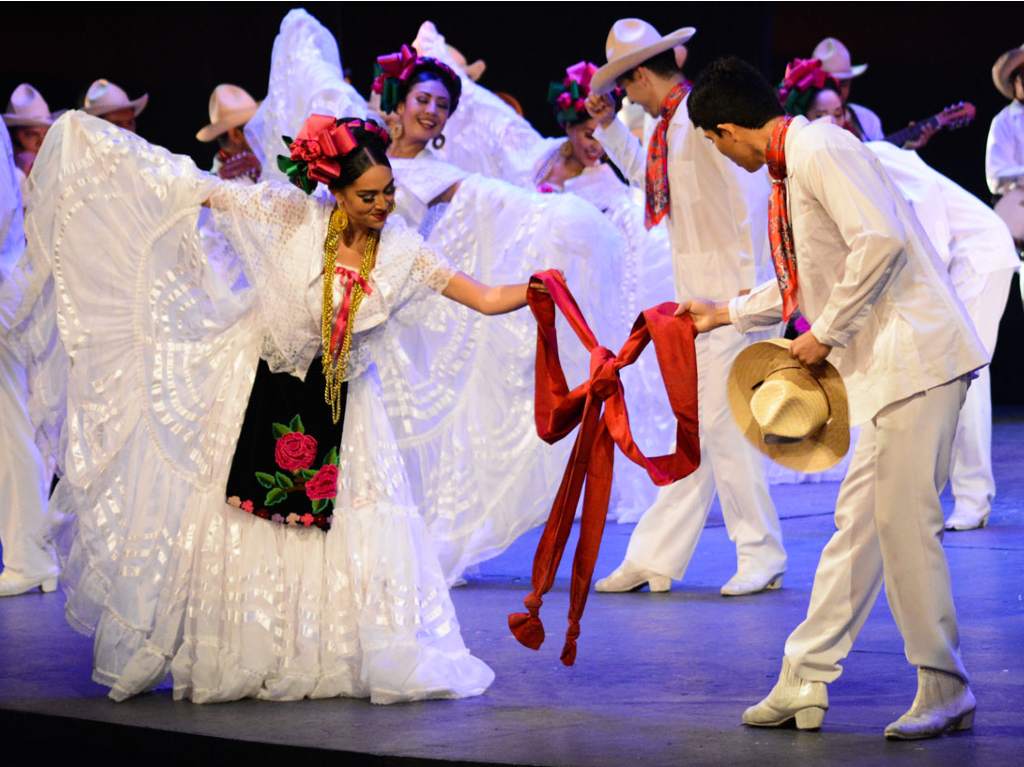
104,97
230,107
835,59
1005,66
28,109
630,43
796,418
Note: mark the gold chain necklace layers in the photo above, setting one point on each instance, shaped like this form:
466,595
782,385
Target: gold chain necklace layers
336,350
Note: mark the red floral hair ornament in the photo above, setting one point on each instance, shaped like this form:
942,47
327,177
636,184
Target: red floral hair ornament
803,80
315,154
569,96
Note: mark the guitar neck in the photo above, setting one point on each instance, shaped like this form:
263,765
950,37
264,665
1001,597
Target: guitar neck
911,132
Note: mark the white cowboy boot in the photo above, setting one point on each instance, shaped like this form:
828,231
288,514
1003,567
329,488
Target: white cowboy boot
629,577
943,702
961,519
12,583
751,583
791,699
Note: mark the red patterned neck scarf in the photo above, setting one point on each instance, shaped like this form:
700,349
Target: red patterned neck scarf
657,158
780,230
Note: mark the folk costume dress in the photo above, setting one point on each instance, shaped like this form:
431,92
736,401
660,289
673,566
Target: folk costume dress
462,409
164,572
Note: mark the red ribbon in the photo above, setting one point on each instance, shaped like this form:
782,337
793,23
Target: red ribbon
803,74
558,411
398,65
351,279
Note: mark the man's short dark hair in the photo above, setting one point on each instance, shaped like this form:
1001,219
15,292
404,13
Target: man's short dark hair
730,90
662,64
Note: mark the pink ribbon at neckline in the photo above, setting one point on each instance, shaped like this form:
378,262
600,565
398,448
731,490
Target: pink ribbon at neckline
351,278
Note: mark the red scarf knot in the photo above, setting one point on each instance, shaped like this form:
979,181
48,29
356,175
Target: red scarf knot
598,408
657,201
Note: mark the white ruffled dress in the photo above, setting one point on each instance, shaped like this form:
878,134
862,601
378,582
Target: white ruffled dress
163,572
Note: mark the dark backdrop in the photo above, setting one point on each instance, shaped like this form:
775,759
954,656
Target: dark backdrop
922,56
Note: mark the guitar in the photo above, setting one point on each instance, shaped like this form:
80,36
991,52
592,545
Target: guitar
950,118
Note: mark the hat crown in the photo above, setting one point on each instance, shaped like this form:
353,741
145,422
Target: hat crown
105,93
26,101
628,35
228,99
789,405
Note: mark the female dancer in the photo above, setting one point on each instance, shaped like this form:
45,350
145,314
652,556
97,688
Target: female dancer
346,598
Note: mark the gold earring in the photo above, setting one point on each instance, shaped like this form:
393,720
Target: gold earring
391,206
566,149
342,219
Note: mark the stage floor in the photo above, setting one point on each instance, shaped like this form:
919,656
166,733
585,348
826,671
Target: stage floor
661,679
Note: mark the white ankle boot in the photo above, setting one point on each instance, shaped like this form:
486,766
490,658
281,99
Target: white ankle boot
751,583
791,699
12,584
943,702
628,577
961,520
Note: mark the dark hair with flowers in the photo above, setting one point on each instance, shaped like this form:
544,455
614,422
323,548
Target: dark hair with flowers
568,97
396,73
333,152
803,81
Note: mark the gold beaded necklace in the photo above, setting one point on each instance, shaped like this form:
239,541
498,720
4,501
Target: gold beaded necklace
335,365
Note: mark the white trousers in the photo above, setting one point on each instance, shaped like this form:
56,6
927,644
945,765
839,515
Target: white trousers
974,487
889,522
667,533
24,481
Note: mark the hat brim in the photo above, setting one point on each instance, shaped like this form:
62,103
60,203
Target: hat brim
604,78
820,451
20,121
852,72
137,105
236,120
1004,67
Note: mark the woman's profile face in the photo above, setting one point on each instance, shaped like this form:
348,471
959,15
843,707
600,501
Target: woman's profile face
369,199
826,104
585,148
425,111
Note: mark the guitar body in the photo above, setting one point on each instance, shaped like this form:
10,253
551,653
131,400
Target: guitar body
1010,208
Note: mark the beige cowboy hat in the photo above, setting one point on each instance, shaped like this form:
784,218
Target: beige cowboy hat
630,43
835,59
230,107
797,418
1005,66
28,109
104,97
474,71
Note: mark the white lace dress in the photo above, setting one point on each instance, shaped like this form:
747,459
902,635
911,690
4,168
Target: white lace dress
160,568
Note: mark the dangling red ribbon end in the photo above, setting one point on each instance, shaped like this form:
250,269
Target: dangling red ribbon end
527,628
569,652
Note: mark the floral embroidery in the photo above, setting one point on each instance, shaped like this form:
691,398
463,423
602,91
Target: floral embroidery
295,453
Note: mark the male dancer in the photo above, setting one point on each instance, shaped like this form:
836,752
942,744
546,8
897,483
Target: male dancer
716,217
849,254
109,101
231,107
1004,154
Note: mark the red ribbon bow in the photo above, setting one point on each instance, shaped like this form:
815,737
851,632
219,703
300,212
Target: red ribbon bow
398,65
350,279
558,411
802,74
320,143
581,73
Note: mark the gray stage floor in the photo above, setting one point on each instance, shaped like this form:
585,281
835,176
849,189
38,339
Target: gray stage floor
660,679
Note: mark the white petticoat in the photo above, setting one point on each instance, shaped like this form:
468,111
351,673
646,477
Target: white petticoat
282,613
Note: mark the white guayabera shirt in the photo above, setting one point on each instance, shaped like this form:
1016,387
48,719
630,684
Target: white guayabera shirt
1004,153
718,213
870,282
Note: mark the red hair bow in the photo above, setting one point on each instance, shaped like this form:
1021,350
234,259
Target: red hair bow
581,73
398,65
803,74
319,144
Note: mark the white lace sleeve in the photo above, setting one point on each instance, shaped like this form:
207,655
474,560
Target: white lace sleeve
305,78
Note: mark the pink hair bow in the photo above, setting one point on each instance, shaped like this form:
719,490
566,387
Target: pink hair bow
581,73
803,74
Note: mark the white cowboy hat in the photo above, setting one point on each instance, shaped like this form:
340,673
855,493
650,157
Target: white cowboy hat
630,43
230,107
1005,66
28,109
835,59
797,418
104,97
